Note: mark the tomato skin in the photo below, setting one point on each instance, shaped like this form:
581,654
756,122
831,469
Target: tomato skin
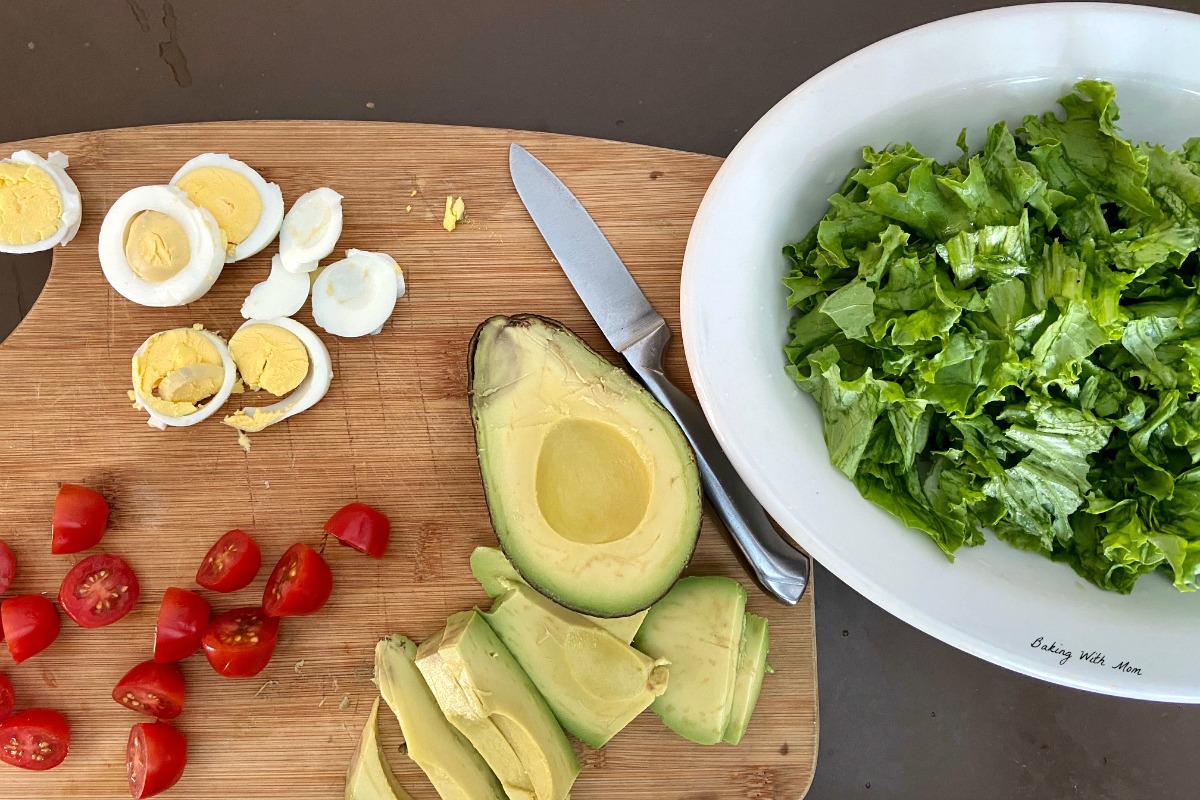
79,521
154,689
98,591
8,566
365,529
299,585
30,624
240,643
36,739
154,758
182,619
7,698
230,564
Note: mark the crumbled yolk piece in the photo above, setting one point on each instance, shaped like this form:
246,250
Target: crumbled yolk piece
156,246
269,357
30,205
455,209
168,354
231,199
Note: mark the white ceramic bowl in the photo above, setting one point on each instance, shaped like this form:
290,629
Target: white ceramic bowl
1014,608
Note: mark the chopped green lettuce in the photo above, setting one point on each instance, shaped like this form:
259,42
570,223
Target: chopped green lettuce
1011,341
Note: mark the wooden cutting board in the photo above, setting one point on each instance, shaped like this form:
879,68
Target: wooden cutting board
393,432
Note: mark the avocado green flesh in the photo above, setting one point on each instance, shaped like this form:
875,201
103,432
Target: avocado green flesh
752,666
485,694
698,628
450,761
369,777
593,682
496,574
592,488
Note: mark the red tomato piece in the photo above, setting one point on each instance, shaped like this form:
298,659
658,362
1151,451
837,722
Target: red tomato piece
154,758
154,689
98,591
36,739
7,698
239,643
182,619
299,585
365,529
8,567
231,564
30,625
80,518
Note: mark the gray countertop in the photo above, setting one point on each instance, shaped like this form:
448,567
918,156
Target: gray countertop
902,715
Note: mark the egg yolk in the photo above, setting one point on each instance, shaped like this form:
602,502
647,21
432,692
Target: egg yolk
231,199
156,246
30,205
176,370
269,357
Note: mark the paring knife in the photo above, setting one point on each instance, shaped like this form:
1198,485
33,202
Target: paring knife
640,335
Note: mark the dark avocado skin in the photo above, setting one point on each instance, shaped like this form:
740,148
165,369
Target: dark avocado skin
526,320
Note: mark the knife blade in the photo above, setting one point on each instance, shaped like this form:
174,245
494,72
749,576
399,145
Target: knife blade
640,335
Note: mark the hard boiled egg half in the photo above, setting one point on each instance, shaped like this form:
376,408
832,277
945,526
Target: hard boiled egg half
182,376
284,358
39,203
248,209
356,296
158,248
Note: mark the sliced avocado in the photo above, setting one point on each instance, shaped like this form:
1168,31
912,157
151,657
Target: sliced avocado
452,764
369,776
496,574
697,627
592,487
752,665
593,682
484,693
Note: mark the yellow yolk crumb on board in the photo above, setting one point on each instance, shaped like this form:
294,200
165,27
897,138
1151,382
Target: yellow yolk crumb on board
455,209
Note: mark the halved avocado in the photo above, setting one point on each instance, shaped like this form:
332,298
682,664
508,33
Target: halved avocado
592,487
369,776
752,666
698,628
594,683
497,575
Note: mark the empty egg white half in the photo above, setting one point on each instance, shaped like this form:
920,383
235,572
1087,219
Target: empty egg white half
282,294
39,203
182,376
356,296
306,395
311,229
158,248
248,209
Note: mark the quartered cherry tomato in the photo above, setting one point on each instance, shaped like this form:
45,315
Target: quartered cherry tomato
154,758
30,625
300,584
154,689
239,643
8,567
182,619
7,698
80,518
98,591
231,563
36,739
361,527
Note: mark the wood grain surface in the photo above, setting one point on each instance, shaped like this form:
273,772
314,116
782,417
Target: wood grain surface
393,431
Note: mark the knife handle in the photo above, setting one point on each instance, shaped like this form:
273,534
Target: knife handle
781,570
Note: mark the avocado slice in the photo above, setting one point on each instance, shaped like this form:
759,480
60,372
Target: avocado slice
369,776
751,667
697,627
496,574
452,764
593,682
592,487
483,692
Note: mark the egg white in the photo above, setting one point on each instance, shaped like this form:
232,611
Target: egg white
356,296
282,294
162,421
311,229
316,381
269,194
204,240
55,166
